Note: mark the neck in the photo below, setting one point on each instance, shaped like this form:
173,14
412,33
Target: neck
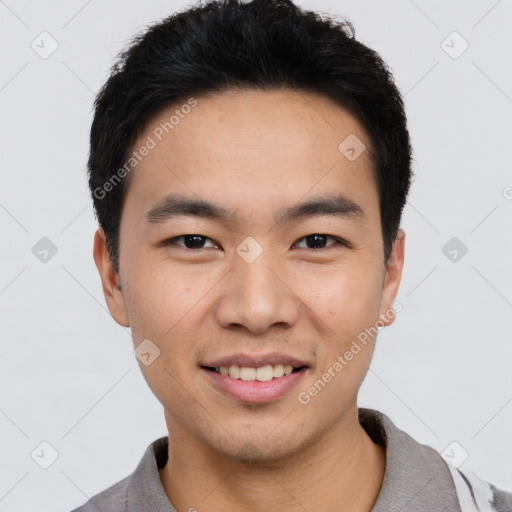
341,471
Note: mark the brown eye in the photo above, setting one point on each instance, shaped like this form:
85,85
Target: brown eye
191,241
318,241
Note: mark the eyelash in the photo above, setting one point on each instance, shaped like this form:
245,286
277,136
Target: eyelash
339,241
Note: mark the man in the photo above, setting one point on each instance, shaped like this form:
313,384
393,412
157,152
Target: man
249,166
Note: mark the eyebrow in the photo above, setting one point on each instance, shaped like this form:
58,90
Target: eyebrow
173,206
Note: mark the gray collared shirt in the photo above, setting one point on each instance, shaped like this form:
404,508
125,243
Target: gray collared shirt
416,479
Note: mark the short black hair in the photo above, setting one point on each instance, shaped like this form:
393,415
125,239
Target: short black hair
262,44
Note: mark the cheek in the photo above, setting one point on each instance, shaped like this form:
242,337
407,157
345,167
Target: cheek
347,301
166,306
346,298
162,297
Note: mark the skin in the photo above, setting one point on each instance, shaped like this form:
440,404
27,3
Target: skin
256,152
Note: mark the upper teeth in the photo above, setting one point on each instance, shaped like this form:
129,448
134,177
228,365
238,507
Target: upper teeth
263,373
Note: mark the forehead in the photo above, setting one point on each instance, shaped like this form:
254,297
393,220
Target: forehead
254,148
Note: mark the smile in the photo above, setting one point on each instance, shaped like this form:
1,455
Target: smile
262,374
256,380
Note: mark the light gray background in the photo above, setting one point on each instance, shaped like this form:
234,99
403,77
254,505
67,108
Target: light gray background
68,375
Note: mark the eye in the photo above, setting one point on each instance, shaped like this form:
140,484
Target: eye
313,241
191,242
318,241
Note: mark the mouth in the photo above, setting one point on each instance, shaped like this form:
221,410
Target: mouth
255,379
264,373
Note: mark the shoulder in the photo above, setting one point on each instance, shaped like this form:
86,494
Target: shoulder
139,489
113,498
418,478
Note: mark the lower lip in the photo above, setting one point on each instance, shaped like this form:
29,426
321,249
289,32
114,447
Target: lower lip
253,391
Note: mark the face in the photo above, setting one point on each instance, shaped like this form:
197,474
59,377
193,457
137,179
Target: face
251,246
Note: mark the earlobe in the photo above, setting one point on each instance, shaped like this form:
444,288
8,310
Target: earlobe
392,279
110,280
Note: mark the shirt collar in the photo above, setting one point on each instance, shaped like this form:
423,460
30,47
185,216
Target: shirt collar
416,477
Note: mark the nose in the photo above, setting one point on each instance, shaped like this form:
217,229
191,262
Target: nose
256,297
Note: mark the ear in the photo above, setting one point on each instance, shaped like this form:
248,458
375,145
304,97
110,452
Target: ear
109,280
392,279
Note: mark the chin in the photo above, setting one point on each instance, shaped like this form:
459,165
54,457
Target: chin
258,454
266,450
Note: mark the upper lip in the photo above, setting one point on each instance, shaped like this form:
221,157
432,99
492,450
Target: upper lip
255,361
